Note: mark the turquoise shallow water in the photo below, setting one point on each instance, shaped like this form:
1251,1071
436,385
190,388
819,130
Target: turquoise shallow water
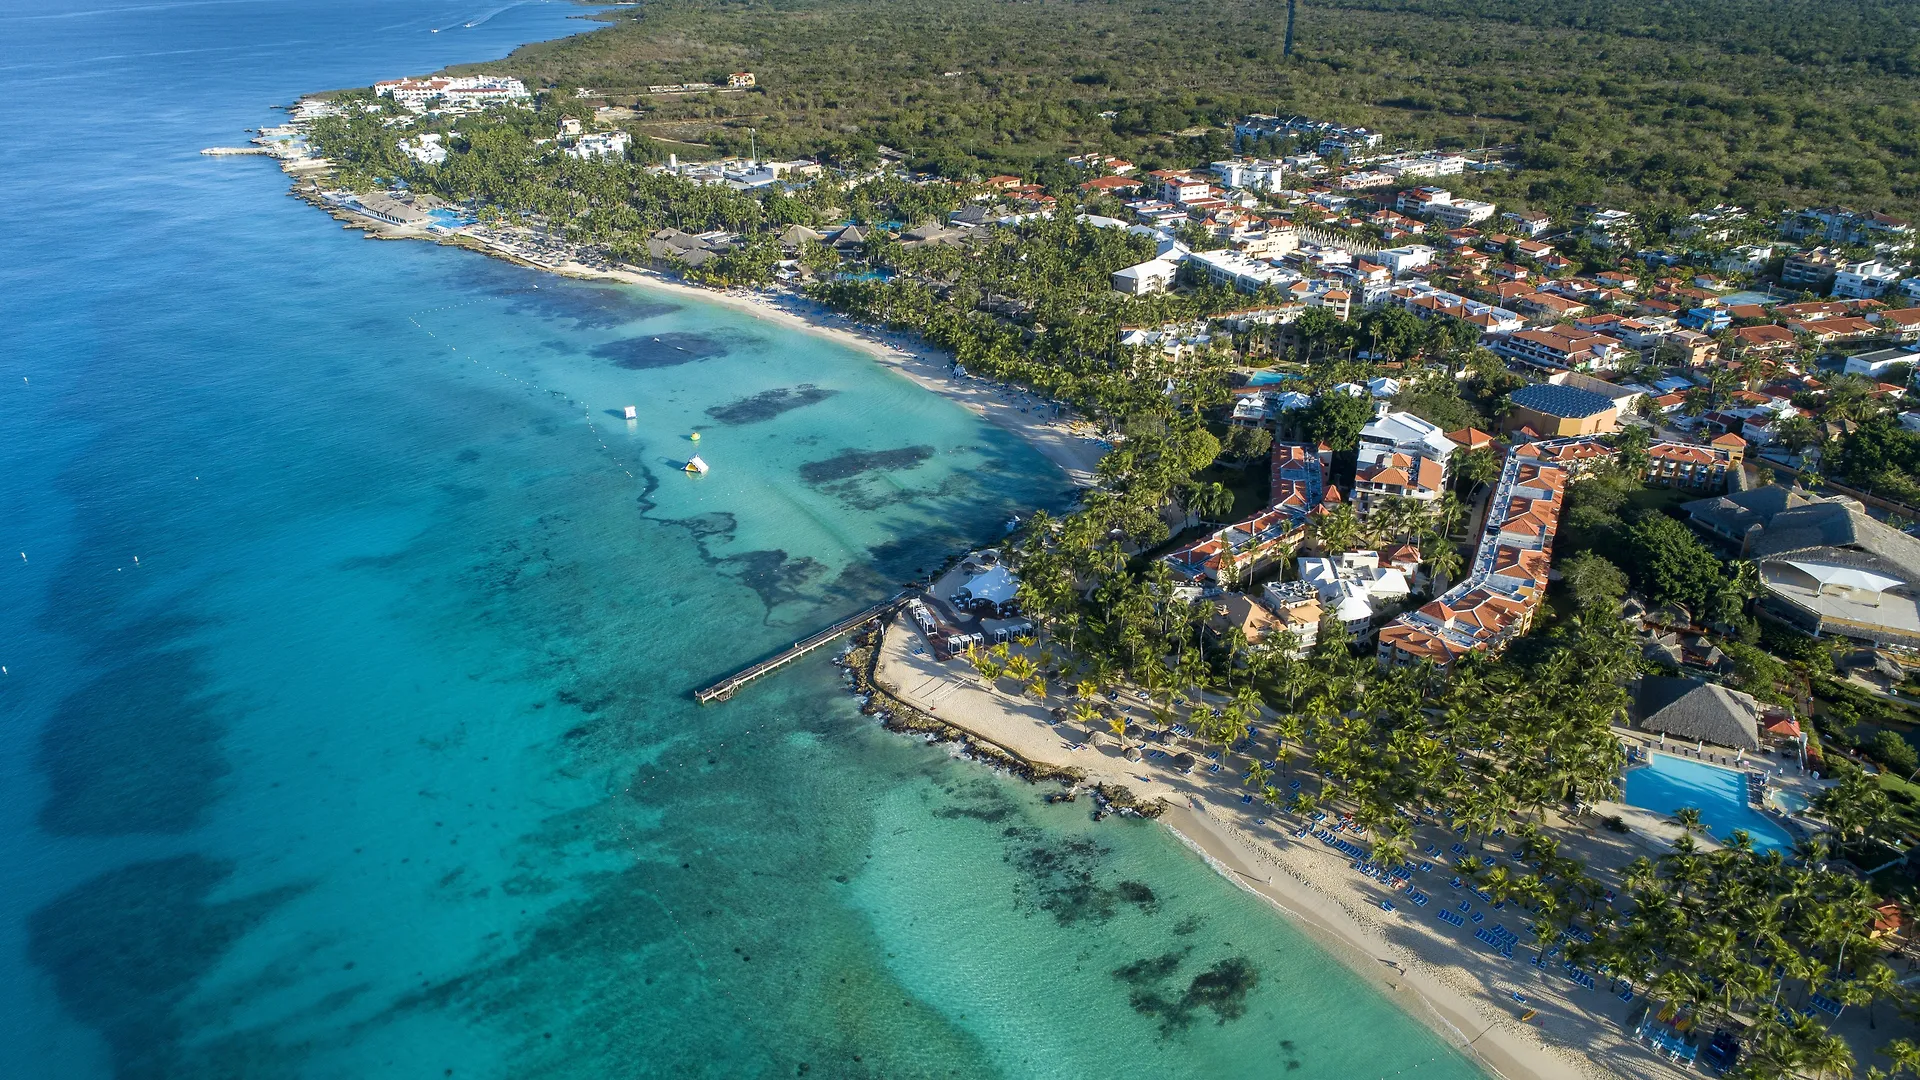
345,729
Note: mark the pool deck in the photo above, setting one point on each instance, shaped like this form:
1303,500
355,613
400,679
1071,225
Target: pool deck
1656,832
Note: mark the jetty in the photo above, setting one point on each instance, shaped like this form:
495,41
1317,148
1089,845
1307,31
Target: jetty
724,689
237,151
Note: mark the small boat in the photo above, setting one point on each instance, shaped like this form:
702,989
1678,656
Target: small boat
696,466
633,413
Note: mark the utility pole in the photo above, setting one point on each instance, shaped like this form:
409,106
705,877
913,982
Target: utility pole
1287,50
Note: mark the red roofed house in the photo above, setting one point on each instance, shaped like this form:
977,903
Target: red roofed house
1766,338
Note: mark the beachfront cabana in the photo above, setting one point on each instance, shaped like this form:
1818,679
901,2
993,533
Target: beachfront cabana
1698,711
993,589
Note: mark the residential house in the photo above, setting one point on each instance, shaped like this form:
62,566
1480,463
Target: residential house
1865,280
1763,339
1529,223
1403,260
1810,270
1881,361
1901,325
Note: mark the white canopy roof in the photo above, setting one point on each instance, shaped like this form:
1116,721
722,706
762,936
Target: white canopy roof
996,585
1846,576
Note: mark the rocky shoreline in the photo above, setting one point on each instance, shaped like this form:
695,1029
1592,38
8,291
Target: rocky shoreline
860,661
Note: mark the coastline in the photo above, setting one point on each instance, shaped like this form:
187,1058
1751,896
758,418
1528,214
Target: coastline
1057,435
1061,440
1454,986
1443,988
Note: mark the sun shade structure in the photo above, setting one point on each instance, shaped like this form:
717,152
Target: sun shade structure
1699,711
1845,577
996,585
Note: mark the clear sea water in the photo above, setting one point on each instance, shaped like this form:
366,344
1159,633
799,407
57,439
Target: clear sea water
1667,783
349,631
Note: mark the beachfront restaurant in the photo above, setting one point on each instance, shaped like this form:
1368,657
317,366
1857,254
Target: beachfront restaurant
991,592
1698,711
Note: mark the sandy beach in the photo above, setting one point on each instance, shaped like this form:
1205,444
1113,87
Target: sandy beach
1441,974
1058,435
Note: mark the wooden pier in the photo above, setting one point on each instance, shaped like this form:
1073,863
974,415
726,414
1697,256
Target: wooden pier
724,689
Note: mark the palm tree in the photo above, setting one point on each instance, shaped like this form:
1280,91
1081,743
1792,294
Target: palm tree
1084,713
1829,1054
1258,775
1444,565
1211,502
1117,723
1337,530
1688,818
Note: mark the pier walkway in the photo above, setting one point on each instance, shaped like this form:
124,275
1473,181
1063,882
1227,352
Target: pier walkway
724,689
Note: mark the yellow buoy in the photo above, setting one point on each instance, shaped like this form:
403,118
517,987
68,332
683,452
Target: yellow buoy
695,436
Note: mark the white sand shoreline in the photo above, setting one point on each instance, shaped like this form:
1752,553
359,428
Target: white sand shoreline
1445,986
1438,974
1061,439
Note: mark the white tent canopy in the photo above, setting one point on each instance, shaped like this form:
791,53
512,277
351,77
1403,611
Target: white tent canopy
1845,576
996,585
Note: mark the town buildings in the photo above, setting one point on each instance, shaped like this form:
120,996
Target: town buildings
464,91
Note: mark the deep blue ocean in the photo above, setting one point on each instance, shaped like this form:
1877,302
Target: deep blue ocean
349,631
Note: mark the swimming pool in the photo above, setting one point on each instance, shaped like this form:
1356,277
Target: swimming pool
1667,783
1268,378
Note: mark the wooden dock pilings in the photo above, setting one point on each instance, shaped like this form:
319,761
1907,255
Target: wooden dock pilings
724,689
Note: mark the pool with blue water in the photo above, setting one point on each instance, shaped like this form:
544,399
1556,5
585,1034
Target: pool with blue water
1269,378
1667,783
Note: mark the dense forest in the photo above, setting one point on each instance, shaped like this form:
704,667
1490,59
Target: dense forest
1639,102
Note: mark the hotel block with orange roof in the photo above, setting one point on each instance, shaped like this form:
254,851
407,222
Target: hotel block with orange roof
1496,602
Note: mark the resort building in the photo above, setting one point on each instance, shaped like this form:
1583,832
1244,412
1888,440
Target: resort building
1353,587
1238,551
1426,301
1387,474
466,91
1690,465
391,210
1405,433
1152,276
1828,568
1739,517
1695,710
600,144
1561,411
1562,348
1296,604
1497,600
